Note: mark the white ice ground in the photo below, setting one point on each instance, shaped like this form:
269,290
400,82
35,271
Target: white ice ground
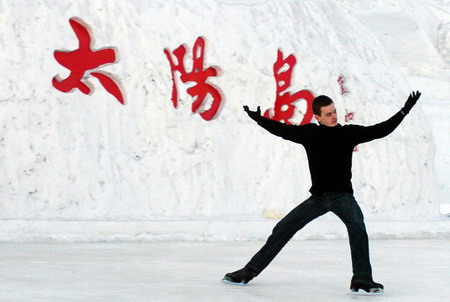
312,270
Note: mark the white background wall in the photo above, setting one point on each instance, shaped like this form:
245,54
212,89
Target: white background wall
72,157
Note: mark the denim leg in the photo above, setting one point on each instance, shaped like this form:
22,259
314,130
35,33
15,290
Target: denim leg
348,210
304,213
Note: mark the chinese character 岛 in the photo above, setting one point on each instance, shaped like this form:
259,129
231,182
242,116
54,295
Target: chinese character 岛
284,109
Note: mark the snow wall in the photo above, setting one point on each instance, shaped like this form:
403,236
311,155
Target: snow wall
84,167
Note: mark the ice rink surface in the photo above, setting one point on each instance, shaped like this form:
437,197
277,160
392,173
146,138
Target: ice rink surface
305,270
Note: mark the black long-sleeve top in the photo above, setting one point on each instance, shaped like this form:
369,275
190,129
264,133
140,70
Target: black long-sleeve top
330,149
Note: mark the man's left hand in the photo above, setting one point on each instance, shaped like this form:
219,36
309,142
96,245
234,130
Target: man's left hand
410,102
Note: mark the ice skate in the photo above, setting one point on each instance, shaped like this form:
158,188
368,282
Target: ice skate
366,284
242,276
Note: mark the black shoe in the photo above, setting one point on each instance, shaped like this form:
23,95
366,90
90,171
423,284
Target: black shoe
366,283
242,276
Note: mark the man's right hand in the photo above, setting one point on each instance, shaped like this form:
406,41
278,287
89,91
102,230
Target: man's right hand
253,114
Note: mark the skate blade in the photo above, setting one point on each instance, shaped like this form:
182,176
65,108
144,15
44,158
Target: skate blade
372,292
233,283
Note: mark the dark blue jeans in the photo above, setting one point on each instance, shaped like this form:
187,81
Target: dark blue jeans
344,206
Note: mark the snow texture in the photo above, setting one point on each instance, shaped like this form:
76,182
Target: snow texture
68,157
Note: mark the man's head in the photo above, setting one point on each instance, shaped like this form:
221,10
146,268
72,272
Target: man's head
325,111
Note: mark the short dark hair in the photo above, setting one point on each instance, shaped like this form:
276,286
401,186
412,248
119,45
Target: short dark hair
319,102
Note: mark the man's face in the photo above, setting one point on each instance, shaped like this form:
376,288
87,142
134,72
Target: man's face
328,116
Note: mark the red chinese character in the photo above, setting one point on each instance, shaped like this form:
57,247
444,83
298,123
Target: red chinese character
285,102
341,81
82,60
198,75
349,117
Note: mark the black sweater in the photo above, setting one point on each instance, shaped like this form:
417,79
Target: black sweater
330,149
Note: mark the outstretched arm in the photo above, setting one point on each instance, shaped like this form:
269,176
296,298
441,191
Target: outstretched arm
366,134
289,132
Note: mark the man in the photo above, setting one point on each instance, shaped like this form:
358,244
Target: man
329,148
